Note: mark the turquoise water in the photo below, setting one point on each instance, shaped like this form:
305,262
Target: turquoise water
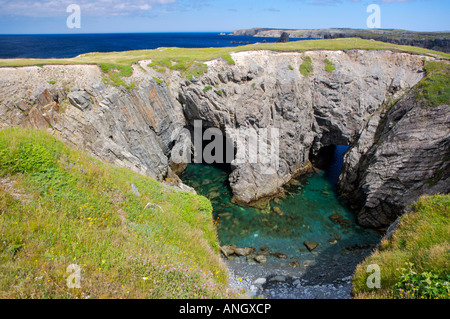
305,208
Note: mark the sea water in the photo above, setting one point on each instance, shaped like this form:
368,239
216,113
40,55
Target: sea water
309,211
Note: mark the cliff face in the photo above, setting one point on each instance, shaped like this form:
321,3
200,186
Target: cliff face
338,102
127,128
266,90
390,165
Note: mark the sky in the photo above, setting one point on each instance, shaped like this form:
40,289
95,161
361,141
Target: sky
117,16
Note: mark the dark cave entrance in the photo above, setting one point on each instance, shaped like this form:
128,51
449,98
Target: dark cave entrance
213,147
330,159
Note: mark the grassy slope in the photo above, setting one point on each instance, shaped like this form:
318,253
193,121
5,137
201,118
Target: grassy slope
66,207
161,55
422,238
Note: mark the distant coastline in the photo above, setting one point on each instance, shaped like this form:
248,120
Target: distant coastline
439,41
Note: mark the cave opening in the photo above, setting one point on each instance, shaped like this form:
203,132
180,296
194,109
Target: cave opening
212,147
330,159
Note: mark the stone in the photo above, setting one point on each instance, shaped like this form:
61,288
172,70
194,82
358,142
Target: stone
260,281
227,250
80,100
310,245
260,258
295,264
278,278
279,255
336,218
284,37
277,210
244,251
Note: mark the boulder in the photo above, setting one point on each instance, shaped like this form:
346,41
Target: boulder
260,281
284,37
80,100
310,245
228,250
244,251
278,278
279,255
260,258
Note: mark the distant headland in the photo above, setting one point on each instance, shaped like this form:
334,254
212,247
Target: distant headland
439,41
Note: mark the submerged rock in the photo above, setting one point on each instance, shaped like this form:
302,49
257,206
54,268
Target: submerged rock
277,210
279,255
310,245
295,264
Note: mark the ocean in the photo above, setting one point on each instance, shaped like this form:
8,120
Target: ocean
71,45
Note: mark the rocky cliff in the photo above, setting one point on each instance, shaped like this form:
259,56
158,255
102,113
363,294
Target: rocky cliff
337,101
391,164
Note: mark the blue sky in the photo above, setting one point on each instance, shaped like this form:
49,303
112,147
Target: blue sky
104,16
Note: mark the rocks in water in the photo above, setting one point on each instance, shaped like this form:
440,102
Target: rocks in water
310,245
279,255
308,263
229,250
295,264
277,210
336,218
213,194
260,258
245,251
284,37
339,220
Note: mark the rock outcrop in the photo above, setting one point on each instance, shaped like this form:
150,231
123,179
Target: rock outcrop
127,128
390,165
265,90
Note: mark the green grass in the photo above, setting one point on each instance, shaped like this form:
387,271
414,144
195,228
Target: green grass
434,89
422,239
51,82
306,67
159,81
290,67
229,59
329,66
66,207
207,88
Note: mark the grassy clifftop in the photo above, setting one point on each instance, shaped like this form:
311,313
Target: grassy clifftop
59,206
414,262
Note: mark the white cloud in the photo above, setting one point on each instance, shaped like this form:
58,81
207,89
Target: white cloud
55,8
